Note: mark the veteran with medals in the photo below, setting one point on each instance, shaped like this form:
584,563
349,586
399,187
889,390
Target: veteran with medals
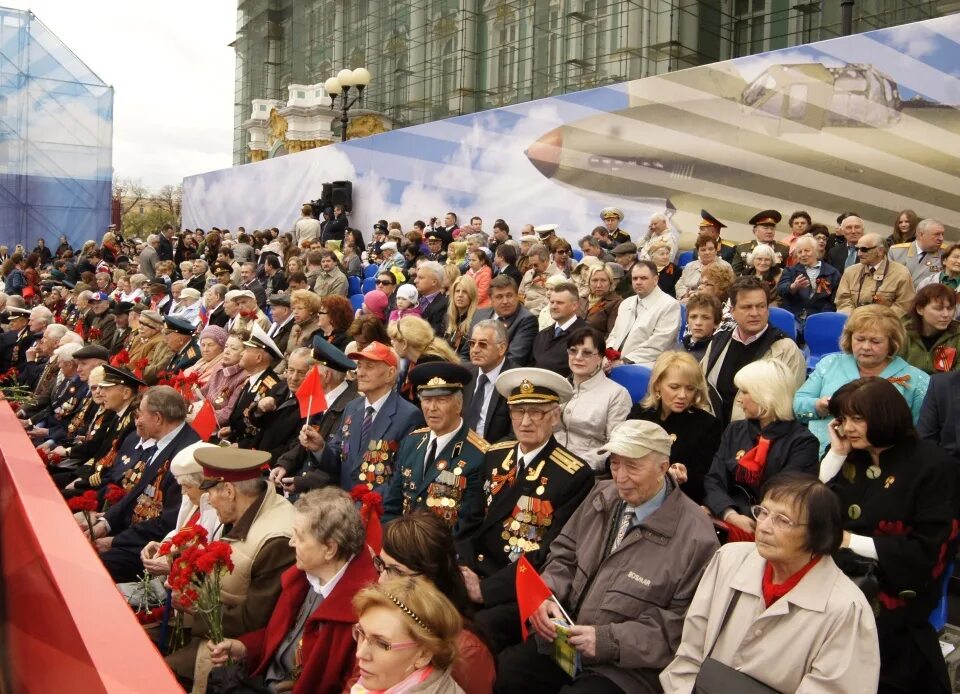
179,336
364,445
439,467
532,485
765,230
257,360
712,226
612,216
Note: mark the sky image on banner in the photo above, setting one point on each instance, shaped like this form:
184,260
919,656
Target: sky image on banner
865,123
56,138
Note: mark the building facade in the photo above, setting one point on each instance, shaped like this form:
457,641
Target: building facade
433,59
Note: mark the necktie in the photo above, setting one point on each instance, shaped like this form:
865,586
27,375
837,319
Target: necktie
557,330
431,456
476,405
851,256
366,426
625,522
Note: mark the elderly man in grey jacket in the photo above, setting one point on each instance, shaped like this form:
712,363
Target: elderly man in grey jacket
625,566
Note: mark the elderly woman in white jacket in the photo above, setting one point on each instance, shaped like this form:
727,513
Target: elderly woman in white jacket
780,611
194,508
598,404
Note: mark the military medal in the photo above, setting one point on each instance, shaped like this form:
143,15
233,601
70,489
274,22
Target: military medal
889,481
854,511
873,472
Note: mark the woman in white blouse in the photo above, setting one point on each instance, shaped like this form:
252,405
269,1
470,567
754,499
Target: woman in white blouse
598,404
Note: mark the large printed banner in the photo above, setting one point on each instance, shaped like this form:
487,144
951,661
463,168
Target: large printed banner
864,123
65,626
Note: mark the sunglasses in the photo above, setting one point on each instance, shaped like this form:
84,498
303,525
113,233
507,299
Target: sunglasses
381,282
865,249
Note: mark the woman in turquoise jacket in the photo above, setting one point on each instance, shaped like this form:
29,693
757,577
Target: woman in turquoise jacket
870,342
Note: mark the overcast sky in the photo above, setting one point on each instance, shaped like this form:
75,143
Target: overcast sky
172,72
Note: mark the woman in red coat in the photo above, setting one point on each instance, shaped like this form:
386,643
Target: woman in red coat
308,644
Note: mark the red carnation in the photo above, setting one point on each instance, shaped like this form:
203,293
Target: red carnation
137,299
120,358
165,547
358,492
114,493
86,502
372,502
42,454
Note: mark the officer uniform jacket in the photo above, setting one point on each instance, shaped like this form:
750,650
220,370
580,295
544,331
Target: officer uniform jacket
742,250
919,264
66,398
90,474
279,428
453,486
244,430
282,334
188,355
351,461
96,443
524,511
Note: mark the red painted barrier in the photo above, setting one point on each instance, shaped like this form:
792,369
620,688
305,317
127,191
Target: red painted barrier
66,626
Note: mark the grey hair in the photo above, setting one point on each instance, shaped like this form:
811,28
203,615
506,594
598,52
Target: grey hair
71,338
806,240
153,238
219,289
589,241
658,217
64,353
761,249
334,517
480,239
435,268
539,250
178,283
251,488
337,377
167,402
496,326
55,331
302,352
923,226
43,313
190,479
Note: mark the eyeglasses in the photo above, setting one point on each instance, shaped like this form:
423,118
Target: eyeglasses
780,521
379,642
382,282
581,353
865,249
322,313
479,344
536,416
392,570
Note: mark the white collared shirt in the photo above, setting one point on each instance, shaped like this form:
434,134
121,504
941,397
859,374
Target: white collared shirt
443,441
565,326
332,396
324,589
750,340
252,381
377,406
164,441
492,376
524,459
813,272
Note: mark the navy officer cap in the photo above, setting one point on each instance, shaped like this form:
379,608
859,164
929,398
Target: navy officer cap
179,324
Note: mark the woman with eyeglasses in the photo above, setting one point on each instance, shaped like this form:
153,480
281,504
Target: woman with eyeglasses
387,283
420,544
779,611
308,644
898,499
406,635
598,404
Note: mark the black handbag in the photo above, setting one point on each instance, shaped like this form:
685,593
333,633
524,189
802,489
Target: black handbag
233,679
863,571
716,678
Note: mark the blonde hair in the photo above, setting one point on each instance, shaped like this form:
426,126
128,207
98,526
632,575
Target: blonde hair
874,317
307,298
451,273
453,313
456,252
602,267
429,617
769,386
419,335
689,369
656,246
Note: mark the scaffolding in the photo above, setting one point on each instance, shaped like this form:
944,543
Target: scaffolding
433,59
56,130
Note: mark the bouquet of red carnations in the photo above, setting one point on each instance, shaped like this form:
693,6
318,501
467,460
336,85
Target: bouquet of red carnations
197,572
86,504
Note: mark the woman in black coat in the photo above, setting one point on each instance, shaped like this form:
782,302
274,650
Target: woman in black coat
677,400
797,294
898,495
754,449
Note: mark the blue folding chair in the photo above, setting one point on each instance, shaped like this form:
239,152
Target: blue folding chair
371,271
633,377
684,258
357,301
577,254
369,284
783,319
353,285
938,618
822,331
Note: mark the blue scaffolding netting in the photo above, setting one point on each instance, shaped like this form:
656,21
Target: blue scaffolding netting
56,131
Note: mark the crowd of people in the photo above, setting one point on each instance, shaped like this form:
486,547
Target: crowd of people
748,522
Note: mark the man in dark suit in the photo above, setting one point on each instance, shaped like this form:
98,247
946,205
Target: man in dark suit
505,263
165,249
363,447
249,281
485,410
293,469
336,228
214,297
149,509
844,255
258,358
940,414
533,485
282,323
550,345
433,302
505,307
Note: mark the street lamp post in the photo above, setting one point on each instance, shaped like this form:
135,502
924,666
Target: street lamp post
340,86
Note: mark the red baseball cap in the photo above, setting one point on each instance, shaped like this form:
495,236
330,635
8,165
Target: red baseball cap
377,351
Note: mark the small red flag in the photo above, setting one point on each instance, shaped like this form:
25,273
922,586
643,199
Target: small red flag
205,423
531,592
310,394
